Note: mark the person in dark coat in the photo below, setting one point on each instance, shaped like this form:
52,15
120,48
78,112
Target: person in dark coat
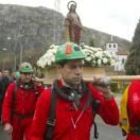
5,80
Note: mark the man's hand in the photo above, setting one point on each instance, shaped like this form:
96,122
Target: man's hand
38,81
8,128
102,83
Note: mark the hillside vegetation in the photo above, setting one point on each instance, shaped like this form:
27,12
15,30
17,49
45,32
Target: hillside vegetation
38,28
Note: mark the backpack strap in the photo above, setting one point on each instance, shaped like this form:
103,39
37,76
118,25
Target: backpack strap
15,93
136,129
52,117
94,104
124,113
35,89
14,100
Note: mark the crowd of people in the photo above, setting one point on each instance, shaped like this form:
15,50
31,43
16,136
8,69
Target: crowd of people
65,110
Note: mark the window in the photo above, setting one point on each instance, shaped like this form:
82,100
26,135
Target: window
109,45
123,61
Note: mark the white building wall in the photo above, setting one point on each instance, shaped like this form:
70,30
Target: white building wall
112,48
121,60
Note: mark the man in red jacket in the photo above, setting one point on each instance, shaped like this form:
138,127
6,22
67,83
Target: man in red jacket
19,104
67,105
133,107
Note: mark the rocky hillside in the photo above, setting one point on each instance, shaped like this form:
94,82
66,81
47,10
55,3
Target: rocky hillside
37,28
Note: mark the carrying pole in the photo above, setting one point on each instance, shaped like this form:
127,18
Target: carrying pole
118,78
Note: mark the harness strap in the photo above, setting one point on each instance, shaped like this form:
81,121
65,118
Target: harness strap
95,104
136,129
51,121
15,93
96,133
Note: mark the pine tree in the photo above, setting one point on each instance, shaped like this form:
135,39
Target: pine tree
91,42
132,66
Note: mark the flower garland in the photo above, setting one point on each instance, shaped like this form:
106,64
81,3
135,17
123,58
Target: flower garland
95,57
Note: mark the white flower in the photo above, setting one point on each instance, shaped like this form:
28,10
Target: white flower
48,58
53,59
49,62
113,62
99,62
94,57
95,49
86,51
99,54
88,59
107,53
86,47
93,63
105,60
53,46
41,63
91,48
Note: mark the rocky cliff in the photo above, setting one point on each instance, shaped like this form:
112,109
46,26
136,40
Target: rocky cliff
37,28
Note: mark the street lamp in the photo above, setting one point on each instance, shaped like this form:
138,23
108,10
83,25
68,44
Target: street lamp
20,45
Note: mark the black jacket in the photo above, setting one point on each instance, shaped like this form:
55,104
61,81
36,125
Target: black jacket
4,82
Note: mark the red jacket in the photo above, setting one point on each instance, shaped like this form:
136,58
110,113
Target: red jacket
23,102
134,108
65,113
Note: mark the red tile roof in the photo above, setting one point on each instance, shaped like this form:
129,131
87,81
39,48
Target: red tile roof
122,53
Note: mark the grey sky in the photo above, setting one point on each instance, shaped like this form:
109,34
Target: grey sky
117,17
